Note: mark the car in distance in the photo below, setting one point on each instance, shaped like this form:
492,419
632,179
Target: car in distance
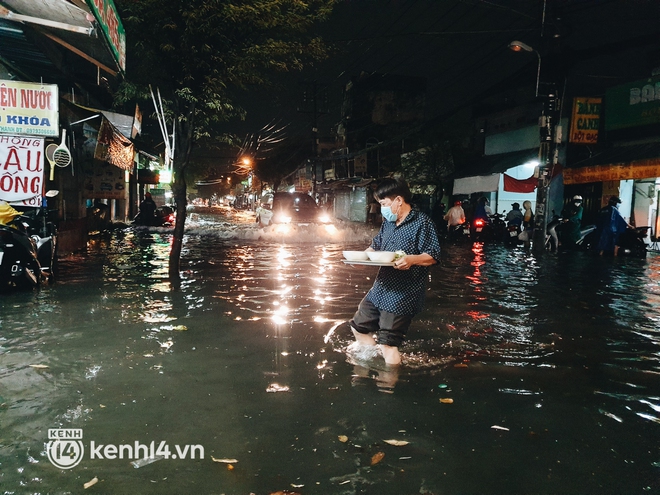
291,208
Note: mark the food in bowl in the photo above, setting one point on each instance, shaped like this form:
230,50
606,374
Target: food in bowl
356,255
381,256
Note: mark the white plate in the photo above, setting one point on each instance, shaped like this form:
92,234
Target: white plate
369,263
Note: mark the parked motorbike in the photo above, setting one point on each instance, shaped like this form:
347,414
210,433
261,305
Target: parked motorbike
28,245
553,236
632,242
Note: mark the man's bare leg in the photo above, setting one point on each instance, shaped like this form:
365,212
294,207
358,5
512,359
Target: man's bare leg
363,338
391,354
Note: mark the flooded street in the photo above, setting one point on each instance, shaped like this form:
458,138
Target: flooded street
522,375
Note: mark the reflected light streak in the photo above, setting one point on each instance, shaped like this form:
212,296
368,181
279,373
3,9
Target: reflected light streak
476,315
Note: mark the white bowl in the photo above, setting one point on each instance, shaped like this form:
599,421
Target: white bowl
381,256
356,255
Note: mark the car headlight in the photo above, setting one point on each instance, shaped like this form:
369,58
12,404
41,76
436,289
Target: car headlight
324,218
282,218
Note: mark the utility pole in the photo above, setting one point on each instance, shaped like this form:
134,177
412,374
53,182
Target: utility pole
314,102
548,158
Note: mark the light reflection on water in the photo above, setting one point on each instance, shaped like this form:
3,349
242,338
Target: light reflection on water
248,359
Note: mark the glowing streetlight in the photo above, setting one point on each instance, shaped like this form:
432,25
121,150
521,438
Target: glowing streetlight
519,46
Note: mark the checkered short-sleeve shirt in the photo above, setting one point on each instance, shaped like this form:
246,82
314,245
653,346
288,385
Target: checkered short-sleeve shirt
402,291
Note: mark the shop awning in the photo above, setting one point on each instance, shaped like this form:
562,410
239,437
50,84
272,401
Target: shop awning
496,164
485,172
639,161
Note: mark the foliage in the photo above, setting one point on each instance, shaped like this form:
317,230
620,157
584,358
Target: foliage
199,52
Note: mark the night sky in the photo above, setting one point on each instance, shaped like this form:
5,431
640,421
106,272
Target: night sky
461,47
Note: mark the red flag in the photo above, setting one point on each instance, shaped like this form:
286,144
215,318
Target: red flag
520,186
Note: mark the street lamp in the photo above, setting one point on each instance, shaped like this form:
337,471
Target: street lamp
548,152
519,46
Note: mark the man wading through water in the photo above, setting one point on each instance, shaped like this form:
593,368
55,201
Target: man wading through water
385,313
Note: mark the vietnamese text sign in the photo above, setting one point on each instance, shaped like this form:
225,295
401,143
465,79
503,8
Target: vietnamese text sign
640,169
108,17
586,120
29,108
633,104
21,167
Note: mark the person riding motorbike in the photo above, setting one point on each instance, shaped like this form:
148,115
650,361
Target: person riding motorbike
482,210
147,213
455,216
515,216
571,222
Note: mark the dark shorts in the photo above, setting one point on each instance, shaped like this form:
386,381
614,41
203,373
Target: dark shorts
390,328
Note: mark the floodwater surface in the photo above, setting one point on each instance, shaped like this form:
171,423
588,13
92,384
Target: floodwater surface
523,374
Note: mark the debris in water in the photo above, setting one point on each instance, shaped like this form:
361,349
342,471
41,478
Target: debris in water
224,461
91,482
377,457
397,443
180,328
274,387
343,438
146,461
447,400
460,365
612,416
39,366
442,385
495,427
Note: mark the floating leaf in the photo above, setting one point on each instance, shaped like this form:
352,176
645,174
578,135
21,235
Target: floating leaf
39,366
343,438
377,457
447,400
224,461
230,467
397,443
91,482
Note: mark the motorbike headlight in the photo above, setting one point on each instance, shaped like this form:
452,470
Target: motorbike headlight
324,218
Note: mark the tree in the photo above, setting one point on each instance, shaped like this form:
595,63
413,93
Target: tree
198,52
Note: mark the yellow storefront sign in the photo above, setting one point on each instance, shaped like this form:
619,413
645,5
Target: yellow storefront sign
586,120
642,169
